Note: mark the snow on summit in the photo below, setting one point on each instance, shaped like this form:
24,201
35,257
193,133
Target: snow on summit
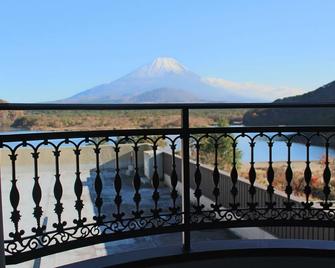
161,66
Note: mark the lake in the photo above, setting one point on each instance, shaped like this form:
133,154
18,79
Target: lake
279,150
261,151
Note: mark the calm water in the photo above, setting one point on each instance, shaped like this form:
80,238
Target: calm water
279,150
261,151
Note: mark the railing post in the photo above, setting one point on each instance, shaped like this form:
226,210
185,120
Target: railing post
2,242
186,179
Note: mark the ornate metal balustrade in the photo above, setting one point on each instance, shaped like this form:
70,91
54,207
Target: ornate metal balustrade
127,218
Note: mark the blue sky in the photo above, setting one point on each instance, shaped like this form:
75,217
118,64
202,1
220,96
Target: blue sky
53,49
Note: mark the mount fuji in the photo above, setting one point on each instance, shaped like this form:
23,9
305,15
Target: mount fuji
167,80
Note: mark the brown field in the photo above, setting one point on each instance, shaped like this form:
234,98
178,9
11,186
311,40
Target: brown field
298,183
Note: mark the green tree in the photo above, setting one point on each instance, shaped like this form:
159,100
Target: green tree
213,145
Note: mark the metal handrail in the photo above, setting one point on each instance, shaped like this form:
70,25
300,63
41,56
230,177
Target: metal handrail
185,133
11,137
159,106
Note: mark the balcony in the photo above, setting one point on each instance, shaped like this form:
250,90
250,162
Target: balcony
68,190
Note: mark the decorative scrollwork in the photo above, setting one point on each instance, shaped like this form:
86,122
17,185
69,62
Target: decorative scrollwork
227,206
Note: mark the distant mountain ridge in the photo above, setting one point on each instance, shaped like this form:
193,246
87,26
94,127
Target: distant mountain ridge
167,74
325,93
165,95
299,116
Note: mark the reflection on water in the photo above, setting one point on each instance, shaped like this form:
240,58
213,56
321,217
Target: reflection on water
280,151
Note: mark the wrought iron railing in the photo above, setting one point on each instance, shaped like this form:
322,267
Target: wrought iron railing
24,242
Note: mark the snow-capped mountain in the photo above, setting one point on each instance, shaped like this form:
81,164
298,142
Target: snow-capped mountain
165,77
160,66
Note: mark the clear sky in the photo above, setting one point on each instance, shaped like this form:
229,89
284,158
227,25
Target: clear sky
53,49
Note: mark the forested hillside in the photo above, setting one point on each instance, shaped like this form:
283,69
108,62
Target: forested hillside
324,116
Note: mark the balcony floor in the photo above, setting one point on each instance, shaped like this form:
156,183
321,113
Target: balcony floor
232,254
255,262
